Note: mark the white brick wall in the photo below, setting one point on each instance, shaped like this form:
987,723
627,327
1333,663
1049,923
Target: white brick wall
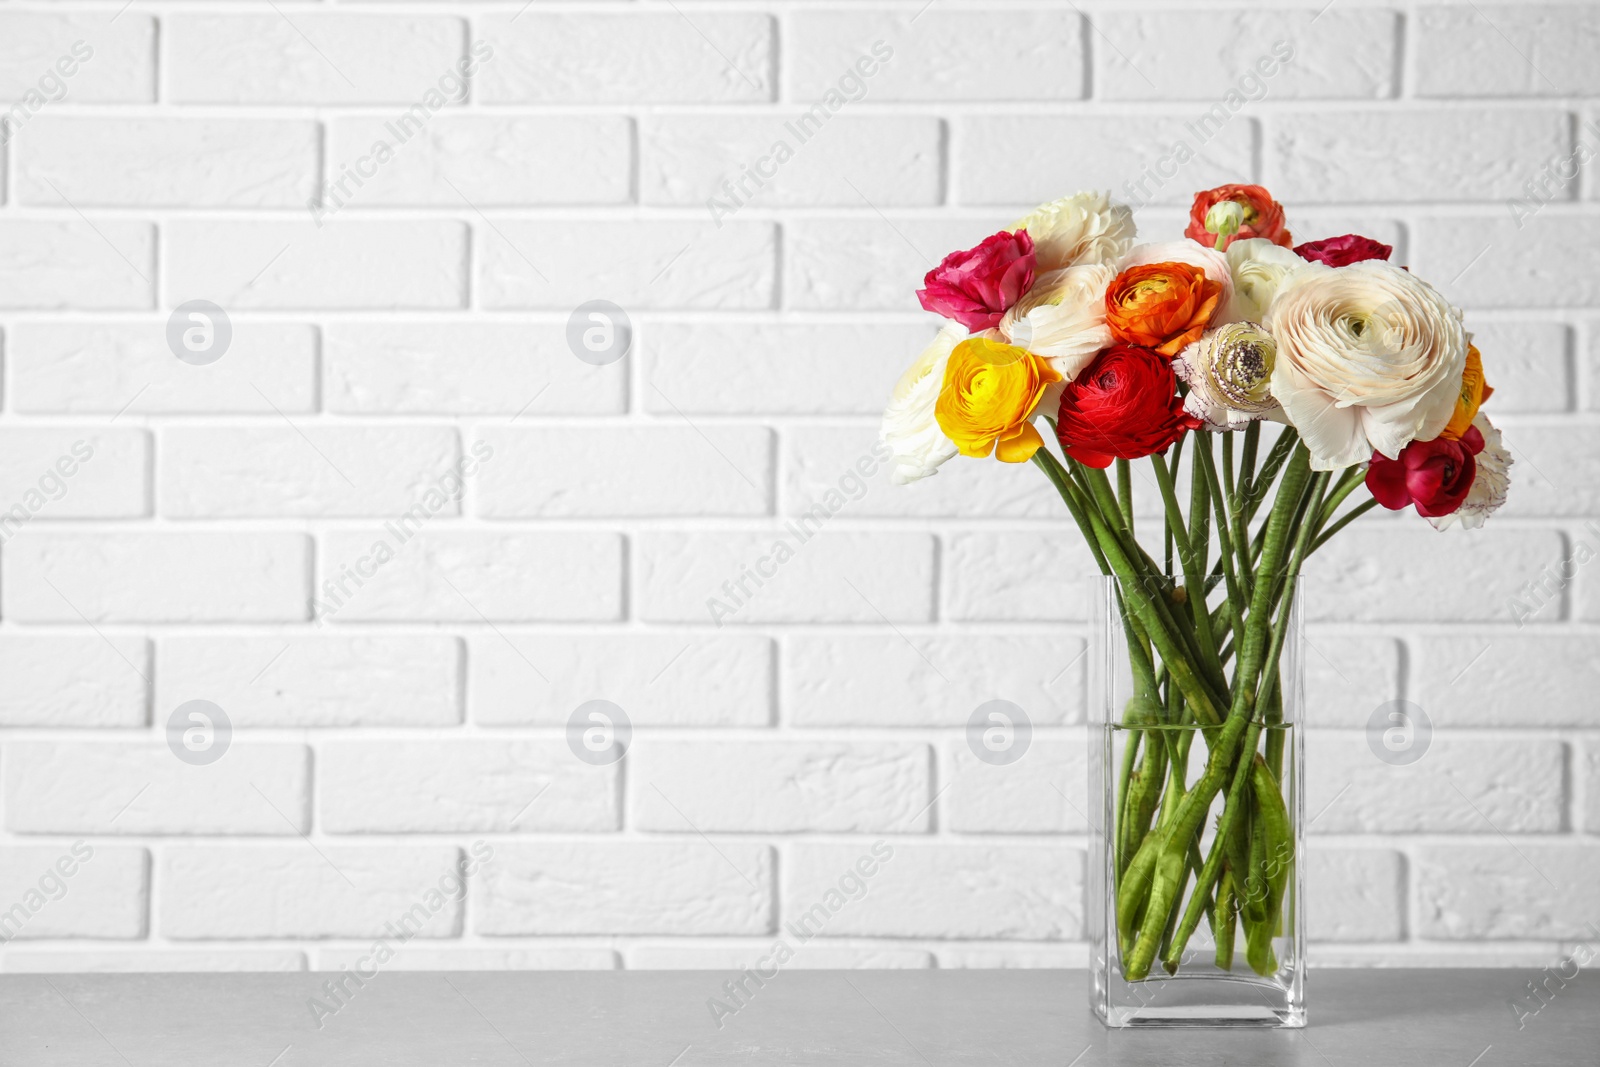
414,718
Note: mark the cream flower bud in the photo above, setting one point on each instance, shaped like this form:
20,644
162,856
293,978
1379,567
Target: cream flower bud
1225,218
1229,372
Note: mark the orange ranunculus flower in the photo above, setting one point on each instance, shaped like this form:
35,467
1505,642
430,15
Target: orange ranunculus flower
989,391
1474,391
1263,216
1162,306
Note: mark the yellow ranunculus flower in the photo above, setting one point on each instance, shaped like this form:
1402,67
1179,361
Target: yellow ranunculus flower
989,391
1473,393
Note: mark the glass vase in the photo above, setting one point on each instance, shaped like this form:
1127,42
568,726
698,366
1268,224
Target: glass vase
1164,952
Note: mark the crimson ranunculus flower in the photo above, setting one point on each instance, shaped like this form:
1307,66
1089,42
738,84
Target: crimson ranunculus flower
1124,405
1343,251
976,287
1434,475
1263,216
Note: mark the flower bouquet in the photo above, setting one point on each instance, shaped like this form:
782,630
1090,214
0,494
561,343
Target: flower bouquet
1189,353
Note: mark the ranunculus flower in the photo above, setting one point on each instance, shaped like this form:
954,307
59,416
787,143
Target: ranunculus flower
1474,391
1214,263
1078,229
1436,475
989,393
1162,306
1259,268
1263,216
1063,317
1229,373
1488,487
976,287
910,431
1343,251
1125,405
1370,359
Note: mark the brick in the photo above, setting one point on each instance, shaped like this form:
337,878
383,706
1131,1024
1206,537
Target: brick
422,958
565,887
846,264
105,895
313,58
1458,786
74,681
282,891
1019,576
112,366
1549,261
803,369
465,368
88,788
1001,891
985,171
1375,573
1503,891
525,679
155,577
1355,894
1353,156
1530,365
927,680
468,577
780,787
275,471
836,577
670,264
324,680
654,470
1044,792
120,67
72,472
645,58
1553,468
1346,678
886,161
1505,50
1474,680
419,263
820,459
441,787
151,961
167,162
1348,54
486,160
810,956
937,55
102,266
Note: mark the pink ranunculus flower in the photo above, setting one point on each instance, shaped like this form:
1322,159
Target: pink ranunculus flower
975,287
1343,251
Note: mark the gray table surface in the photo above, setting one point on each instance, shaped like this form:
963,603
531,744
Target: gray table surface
1376,1018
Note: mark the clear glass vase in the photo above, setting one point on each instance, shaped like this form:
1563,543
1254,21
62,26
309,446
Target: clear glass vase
1155,951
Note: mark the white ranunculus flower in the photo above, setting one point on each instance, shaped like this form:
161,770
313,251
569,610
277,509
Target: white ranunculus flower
1229,373
909,429
1077,229
1214,263
1369,359
1259,268
1063,318
1489,486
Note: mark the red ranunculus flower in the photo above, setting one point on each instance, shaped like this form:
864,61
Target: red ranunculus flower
1343,251
1434,475
976,287
1263,216
1124,405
